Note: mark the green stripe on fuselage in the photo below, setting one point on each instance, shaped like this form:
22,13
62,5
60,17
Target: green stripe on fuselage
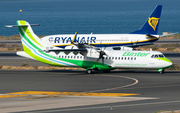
80,63
26,30
28,51
165,59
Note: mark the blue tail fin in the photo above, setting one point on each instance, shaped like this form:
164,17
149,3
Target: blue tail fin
152,23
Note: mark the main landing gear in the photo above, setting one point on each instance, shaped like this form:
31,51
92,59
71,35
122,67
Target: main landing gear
90,71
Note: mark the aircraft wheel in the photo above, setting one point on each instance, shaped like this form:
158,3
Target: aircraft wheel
162,72
90,71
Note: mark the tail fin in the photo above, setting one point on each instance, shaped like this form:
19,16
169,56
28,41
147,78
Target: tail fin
34,47
30,41
152,23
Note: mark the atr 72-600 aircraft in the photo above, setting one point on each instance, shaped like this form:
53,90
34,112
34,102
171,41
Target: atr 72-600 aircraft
89,57
145,36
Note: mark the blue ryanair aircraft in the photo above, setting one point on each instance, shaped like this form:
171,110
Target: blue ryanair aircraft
146,35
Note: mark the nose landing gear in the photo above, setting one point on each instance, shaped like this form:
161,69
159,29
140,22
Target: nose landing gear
161,71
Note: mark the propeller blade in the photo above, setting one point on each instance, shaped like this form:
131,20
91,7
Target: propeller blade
103,60
75,35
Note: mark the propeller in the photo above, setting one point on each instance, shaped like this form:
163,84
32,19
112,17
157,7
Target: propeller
82,44
101,54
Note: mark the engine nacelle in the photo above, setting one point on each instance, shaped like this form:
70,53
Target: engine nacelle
126,48
92,53
123,48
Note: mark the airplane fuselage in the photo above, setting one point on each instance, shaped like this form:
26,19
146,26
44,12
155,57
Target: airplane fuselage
114,59
100,40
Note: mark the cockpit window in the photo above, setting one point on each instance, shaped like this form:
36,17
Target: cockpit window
152,56
161,55
157,56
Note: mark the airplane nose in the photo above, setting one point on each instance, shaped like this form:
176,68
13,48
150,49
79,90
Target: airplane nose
168,63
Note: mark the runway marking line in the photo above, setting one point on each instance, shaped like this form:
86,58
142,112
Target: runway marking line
42,97
49,94
11,96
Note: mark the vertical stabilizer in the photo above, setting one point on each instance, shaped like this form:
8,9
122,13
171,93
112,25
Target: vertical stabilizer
30,41
152,23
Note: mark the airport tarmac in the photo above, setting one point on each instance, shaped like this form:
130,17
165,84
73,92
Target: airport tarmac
54,91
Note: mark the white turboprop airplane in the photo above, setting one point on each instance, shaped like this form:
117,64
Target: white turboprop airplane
89,57
145,36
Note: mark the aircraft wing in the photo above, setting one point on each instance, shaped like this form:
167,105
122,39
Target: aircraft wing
169,34
81,45
152,36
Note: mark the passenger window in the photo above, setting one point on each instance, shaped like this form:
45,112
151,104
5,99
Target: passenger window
125,58
62,56
119,58
131,58
115,58
109,57
122,58
134,58
77,57
112,57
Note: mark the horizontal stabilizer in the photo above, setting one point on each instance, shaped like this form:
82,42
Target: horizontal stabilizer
63,50
23,54
22,25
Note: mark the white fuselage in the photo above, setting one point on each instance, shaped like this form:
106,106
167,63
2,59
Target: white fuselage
99,40
122,59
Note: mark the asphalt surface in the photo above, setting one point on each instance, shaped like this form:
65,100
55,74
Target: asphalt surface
156,91
11,59
165,41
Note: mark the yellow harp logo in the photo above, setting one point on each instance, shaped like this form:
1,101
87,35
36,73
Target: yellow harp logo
153,22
